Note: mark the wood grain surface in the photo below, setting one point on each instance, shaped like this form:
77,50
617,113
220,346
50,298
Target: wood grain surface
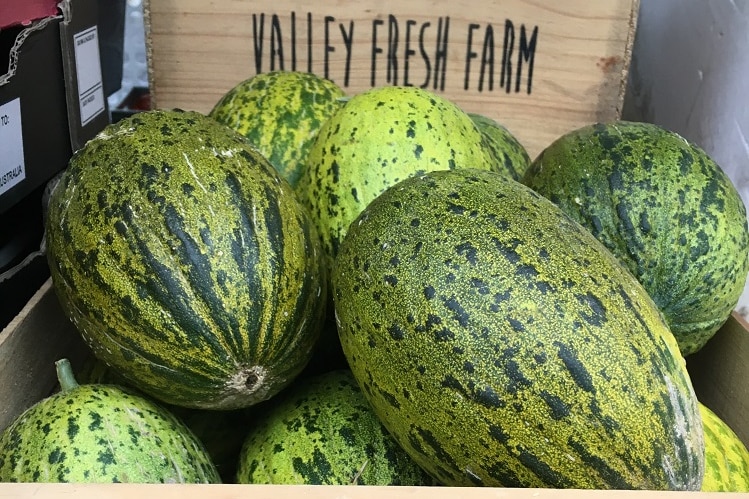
540,67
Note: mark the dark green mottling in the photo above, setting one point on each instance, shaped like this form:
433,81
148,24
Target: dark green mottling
323,432
664,208
97,433
544,385
192,294
510,156
280,113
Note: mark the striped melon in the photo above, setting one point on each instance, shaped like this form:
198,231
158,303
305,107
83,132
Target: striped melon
726,456
503,345
98,433
186,262
280,112
510,155
664,208
322,431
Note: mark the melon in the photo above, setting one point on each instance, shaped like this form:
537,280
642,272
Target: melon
322,431
100,433
510,155
280,112
503,345
379,137
186,261
664,208
726,456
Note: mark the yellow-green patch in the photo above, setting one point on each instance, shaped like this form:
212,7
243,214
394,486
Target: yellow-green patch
510,156
726,456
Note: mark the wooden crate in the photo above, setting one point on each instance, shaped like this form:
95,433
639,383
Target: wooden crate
41,334
541,68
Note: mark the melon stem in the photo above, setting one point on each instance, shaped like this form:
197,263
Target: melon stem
65,375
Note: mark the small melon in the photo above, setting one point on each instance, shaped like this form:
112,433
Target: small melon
280,112
323,432
98,433
511,156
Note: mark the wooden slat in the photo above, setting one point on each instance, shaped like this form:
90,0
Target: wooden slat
720,375
29,346
198,50
127,491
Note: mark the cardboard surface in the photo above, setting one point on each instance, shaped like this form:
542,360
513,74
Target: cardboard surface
36,143
540,68
43,113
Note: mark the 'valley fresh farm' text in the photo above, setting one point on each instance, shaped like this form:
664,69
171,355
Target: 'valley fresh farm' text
434,53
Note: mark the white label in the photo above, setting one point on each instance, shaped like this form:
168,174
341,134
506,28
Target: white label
12,166
88,69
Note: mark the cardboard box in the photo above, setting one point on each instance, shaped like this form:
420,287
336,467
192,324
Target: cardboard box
51,98
51,103
41,334
540,68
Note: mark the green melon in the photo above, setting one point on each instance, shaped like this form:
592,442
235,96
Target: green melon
379,137
323,432
220,432
726,456
280,112
664,208
503,345
511,156
186,262
99,433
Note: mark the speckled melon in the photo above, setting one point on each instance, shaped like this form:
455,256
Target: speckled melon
726,456
379,137
664,208
186,261
97,433
511,156
280,112
323,432
503,345
220,432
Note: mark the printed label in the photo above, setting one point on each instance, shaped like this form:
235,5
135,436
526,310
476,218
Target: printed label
435,53
12,166
88,69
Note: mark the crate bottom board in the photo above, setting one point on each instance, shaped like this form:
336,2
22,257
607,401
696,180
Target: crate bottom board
235,491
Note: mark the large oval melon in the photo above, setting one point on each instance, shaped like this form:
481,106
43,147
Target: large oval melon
186,262
664,208
99,433
503,345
